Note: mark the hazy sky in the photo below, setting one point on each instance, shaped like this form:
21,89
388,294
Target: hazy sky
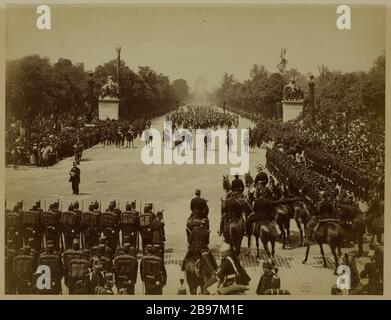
189,41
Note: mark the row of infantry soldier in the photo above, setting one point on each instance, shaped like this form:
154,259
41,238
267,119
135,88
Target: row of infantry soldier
91,236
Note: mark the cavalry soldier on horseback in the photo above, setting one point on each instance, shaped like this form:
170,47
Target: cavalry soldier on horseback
51,225
53,260
13,224
198,246
237,185
129,223
125,269
199,206
70,225
90,226
145,220
110,222
153,272
232,211
232,276
324,214
31,222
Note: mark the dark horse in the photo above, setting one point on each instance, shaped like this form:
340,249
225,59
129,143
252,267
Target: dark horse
332,235
233,231
353,224
265,231
301,214
281,215
196,275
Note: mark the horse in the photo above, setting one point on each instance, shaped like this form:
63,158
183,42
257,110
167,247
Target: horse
226,183
234,230
281,215
333,236
196,275
265,231
354,225
301,215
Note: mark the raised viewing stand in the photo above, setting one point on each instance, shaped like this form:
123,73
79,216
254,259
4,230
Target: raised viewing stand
108,108
291,109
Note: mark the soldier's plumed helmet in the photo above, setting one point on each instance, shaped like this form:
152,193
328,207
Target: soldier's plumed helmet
267,265
96,205
91,207
70,207
128,207
76,205
31,242
27,250
75,244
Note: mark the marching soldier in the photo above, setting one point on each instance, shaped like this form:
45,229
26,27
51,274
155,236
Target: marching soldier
68,256
24,268
10,254
31,225
125,268
153,272
51,225
145,220
13,224
129,224
90,226
158,234
70,225
110,225
53,260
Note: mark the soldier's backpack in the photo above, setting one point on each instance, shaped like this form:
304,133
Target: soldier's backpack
69,218
129,218
78,268
70,255
89,219
145,220
12,219
106,264
24,267
153,268
124,265
53,261
156,237
48,219
108,219
31,218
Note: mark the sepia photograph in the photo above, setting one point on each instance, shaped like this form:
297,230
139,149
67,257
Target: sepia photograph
194,149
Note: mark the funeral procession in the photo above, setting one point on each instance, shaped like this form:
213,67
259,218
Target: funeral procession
136,163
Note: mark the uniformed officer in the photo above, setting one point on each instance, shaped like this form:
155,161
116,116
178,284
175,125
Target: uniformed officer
232,210
31,225
70,225
110,223
237,185
158,234
51,225
145,220
152,272
199,206
13,225
24,268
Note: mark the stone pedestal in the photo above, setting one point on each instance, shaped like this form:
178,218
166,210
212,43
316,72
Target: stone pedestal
108,108
291,109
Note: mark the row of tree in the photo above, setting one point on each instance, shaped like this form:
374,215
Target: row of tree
34,87
334,91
